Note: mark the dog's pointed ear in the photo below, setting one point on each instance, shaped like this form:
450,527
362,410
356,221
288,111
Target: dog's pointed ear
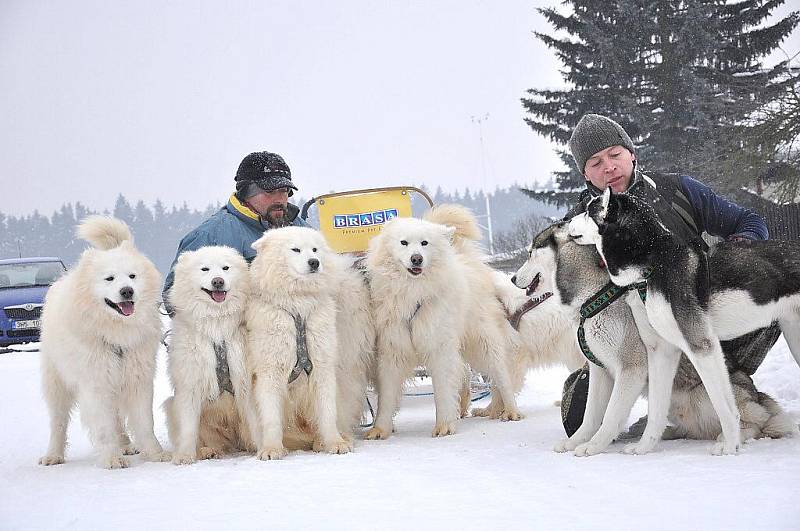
606,199
184,256
610,204
260,243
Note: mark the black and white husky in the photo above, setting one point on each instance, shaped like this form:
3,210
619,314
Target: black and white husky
693,300
572,274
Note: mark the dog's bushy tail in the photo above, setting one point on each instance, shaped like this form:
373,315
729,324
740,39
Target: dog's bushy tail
457,216
104,232
779,424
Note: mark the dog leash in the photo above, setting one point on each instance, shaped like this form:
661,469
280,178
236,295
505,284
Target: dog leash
602,300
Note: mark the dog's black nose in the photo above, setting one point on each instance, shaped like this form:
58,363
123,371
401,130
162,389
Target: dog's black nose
126,293
416,260
217,283
313,263
514,279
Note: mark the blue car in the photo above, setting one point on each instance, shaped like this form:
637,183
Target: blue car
23,285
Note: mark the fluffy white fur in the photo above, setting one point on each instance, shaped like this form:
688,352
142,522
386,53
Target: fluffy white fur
545,337
296,274
100,334
434,299
209,297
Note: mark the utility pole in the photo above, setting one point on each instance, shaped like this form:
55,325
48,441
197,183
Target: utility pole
479,120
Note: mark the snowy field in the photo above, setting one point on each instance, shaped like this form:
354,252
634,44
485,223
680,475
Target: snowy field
491,475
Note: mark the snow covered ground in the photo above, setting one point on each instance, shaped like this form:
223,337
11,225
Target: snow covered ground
490,475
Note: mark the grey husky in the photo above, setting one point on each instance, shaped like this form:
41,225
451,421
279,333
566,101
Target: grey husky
692,300
573,273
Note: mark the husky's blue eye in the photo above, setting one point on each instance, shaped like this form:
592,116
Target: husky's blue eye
225,268
110,279
296,250
403,242
131,276
204,269
424,243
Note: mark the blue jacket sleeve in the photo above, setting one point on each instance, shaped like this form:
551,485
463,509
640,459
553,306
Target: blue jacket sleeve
721,217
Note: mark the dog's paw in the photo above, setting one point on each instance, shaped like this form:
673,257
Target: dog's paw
479,412
157,456
271,454
183,459
114,461
375,433
564,445
206,452
589,448
129,449
336,447
724,448
640,448
443,429
490,411
512,414
47,460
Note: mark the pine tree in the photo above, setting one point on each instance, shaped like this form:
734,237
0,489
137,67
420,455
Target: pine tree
123,210
674,74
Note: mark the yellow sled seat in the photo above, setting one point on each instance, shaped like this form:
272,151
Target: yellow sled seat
348,220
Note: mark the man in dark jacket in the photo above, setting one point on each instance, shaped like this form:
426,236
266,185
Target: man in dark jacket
605,155
260,202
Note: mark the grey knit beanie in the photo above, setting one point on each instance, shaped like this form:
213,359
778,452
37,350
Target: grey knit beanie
595,133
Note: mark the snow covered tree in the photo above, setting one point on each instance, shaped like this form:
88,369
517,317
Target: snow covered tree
677,75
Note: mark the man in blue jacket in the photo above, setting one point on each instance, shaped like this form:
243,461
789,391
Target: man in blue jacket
605,155
260,202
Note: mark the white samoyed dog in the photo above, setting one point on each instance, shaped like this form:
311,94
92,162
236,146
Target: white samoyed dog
100,333
434,299
210,413
307,362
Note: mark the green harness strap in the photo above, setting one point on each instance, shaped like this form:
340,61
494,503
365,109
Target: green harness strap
602,300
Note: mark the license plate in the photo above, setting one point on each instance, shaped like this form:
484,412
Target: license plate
23,325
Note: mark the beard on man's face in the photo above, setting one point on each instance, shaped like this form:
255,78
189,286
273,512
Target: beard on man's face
277,215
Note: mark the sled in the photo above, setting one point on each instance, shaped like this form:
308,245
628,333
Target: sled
348,220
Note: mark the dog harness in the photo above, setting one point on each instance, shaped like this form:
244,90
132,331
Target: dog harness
602,300
223,371
414,314
116,349
303,363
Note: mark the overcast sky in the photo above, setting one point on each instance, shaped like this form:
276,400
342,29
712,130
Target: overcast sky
163,99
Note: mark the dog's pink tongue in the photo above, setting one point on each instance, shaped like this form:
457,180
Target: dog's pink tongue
126,307
218,296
